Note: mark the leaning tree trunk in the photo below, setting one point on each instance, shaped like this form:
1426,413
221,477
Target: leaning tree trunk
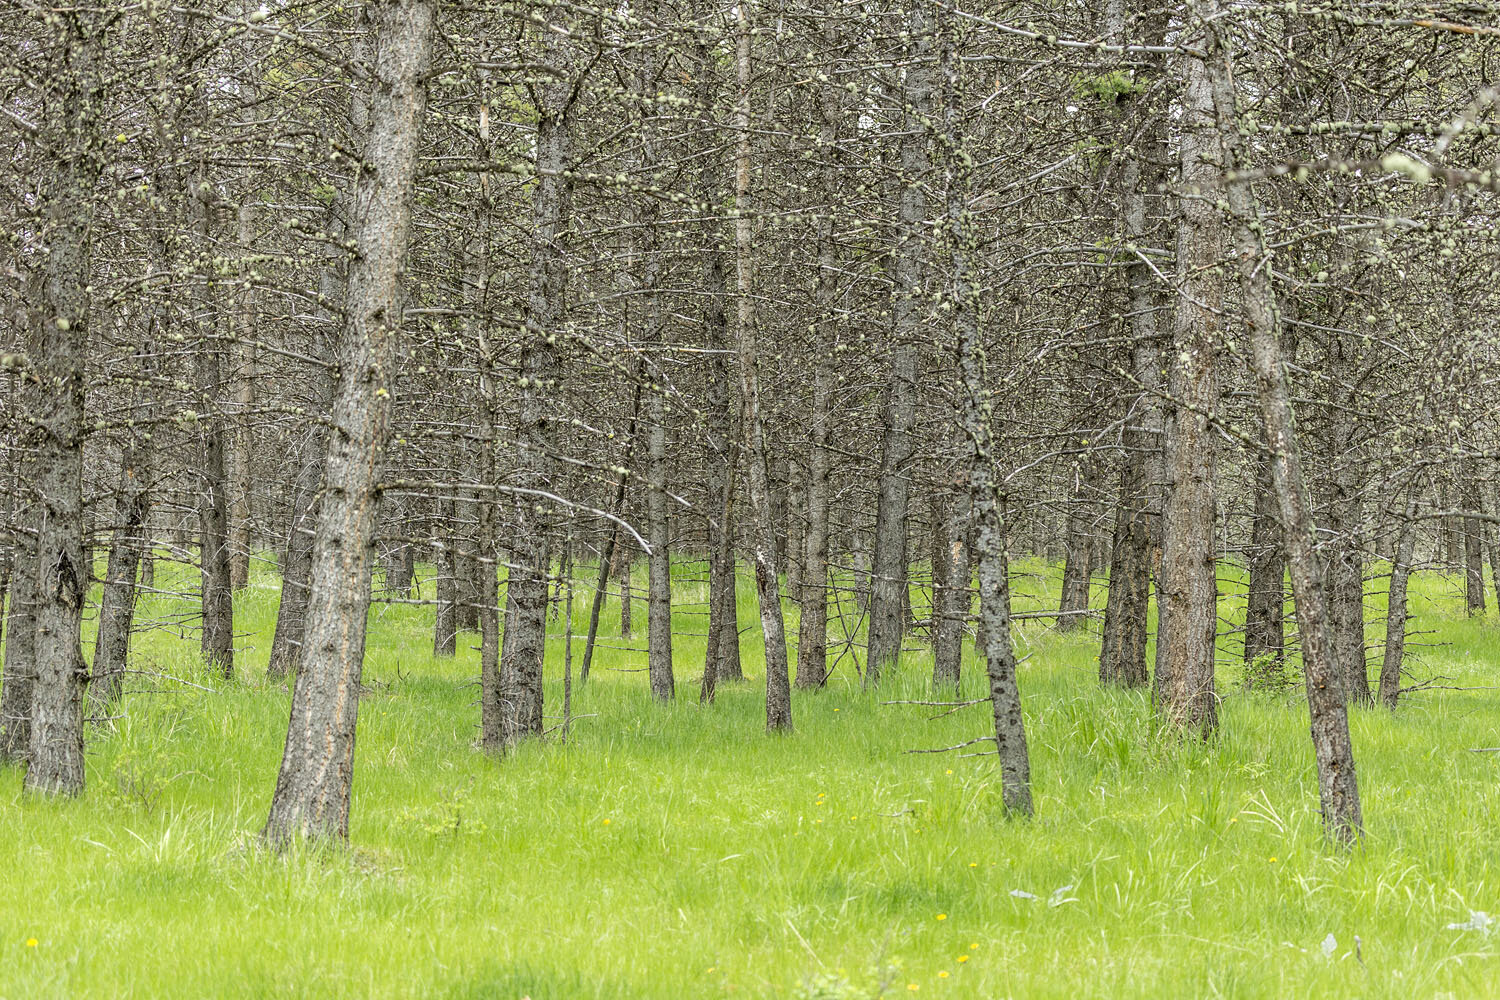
977,408
773,628
888,588
317,766
1338,789
1187,592
611,536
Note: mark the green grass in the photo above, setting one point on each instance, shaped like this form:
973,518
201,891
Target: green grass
680,851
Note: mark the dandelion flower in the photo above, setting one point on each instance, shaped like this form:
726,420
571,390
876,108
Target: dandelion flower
963,958
943,974
606,821
942,916
913,987
1272,860
973,864
31,942
974,945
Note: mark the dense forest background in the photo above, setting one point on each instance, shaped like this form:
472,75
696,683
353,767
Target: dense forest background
803,340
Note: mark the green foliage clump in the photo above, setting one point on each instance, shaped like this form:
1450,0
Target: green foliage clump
1106,88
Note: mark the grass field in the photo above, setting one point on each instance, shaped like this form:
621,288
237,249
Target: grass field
679,851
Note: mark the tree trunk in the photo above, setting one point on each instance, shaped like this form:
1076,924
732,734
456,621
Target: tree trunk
1473,556
244,387
213,501
1266,600
296,567
1396,607
1077,567
977,409
317,767
58,345
778,683
607,553
1337,786
127,542
1187,592
445,621
659,611
526,589
20,626
888,588
950,589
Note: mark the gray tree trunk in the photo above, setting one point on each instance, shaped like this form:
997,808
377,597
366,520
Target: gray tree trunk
20,626
244,384
773,627
1337,785
1473,555
58,344
1265,602
888,586
1187,592
977,410
213,500
117,600
526,589
1078,563
317,767
296,563
1122,650
1396,607
659,595
950,588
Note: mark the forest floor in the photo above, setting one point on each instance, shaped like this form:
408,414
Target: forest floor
679,851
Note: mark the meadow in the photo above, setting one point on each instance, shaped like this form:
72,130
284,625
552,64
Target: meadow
679,851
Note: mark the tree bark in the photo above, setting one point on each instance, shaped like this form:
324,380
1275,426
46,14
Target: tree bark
1338,788
1187,591
888,587
977,411
317,768
950,588
773,627
19,680
526,588
244,398
1078,564
117,600
58,345
213,500
1396,607
1265,601
659,595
